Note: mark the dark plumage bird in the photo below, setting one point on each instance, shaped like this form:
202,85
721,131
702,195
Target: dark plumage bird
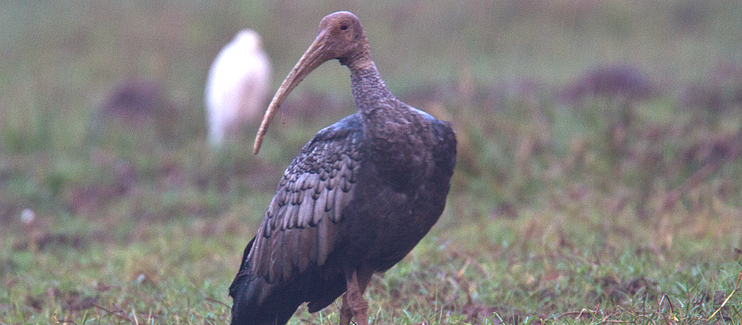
358,197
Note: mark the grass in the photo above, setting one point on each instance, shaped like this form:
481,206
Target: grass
597,208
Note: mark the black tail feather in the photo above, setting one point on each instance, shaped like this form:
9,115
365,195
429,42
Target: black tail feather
256,302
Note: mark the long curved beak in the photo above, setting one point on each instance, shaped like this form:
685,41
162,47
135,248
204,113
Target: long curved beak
314,56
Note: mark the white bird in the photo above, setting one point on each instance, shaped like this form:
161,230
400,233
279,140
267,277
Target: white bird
237,86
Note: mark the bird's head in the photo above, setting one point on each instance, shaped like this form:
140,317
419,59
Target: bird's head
248,39
341,37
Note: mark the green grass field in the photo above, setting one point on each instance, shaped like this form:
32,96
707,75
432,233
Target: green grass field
573,202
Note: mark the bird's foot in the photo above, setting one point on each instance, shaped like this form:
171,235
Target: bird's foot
346,314
354,307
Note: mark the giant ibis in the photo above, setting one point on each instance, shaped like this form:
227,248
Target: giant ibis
357,198
237,86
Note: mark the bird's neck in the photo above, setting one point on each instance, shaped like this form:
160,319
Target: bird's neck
393,133
370,94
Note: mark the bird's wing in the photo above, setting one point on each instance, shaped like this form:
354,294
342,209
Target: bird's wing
303,219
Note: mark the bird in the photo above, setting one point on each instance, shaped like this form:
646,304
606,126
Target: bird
356,199
237,86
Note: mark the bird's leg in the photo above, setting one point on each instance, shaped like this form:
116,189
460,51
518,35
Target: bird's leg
345,312
354,306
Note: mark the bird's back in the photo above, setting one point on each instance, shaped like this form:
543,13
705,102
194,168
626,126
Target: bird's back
396,205
295,259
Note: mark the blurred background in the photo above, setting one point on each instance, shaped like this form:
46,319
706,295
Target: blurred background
609,124
619,100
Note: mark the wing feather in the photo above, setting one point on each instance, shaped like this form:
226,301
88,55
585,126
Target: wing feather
306,210
319,207
330,200
302,222
340,203
325,238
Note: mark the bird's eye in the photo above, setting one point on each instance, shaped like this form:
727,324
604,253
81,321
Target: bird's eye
344,27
